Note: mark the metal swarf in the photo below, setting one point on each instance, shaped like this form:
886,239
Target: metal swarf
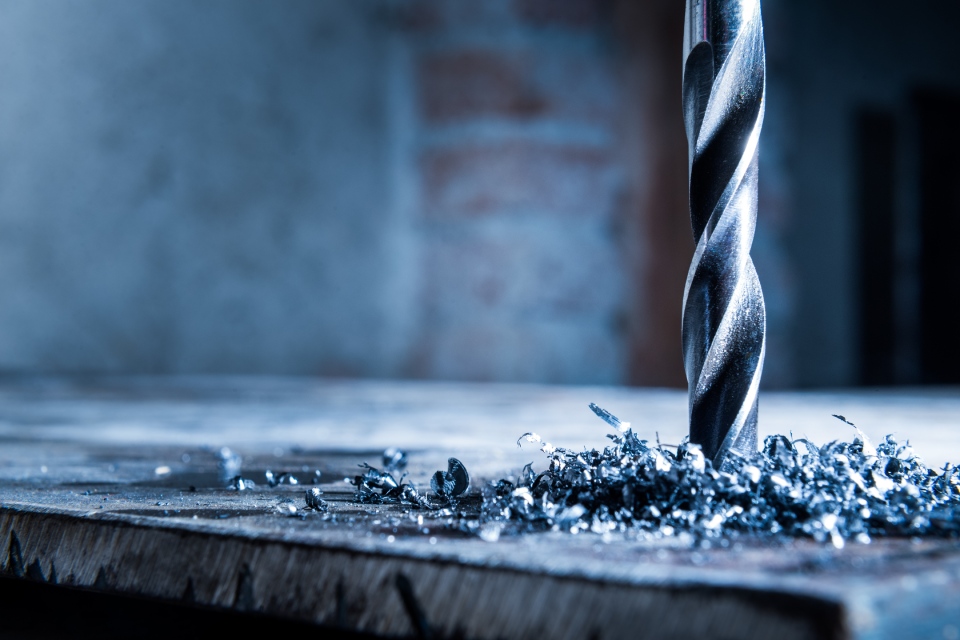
451,483
315,501
239,483
837,492
380,487
275,479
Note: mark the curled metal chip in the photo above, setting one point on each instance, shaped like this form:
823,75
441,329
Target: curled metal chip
451,483
376,486
275,479
314,500
529,437
609,418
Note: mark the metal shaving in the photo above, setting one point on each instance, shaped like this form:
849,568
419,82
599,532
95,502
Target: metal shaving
239,483
314,501
451,483
275,479
380,487
838,492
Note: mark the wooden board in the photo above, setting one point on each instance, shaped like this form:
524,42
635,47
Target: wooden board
112,484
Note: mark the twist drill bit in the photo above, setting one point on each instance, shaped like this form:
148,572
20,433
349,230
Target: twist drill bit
724,320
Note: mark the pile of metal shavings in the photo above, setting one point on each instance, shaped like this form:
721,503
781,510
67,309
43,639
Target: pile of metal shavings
837,492
376,486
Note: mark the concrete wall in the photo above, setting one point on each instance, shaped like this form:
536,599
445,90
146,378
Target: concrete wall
455,189
365,188
197,186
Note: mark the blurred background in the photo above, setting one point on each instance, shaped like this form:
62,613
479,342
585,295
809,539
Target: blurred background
458,189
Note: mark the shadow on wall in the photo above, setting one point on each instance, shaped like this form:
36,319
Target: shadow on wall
872,90
909,219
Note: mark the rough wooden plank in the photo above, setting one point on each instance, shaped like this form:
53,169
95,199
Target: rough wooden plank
82,501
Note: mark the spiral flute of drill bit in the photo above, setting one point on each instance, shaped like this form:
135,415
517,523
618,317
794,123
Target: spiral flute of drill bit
724,319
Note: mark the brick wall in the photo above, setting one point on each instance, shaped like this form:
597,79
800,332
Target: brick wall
519,184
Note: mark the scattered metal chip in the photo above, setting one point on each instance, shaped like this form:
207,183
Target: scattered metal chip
610,419
376,486
451,483
529,437
315,501
274,479
240,483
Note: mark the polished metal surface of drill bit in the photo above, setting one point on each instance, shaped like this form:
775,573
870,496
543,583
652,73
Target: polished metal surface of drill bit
724,319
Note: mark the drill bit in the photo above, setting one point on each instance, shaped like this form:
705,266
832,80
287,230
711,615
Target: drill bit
724,319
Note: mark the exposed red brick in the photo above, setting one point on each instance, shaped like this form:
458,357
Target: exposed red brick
535,271
520,353
473,181
478,82
515,85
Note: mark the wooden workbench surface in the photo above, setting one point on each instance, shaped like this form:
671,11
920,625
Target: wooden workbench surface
112,484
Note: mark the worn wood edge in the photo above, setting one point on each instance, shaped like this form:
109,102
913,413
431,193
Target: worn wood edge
385,594
638,574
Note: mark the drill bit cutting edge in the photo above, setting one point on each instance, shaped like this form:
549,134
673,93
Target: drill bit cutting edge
724,320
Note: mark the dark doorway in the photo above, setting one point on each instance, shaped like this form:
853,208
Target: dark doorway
876,149
938,117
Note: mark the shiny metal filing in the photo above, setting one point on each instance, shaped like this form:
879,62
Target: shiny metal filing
724,320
